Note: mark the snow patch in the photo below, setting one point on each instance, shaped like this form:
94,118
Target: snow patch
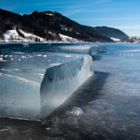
65,28
54,64
66,38
11,35
2,60
115,39
49,14
18,35
14,36
51,33
30,36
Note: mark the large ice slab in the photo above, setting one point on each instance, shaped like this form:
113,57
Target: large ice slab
61,81
32,85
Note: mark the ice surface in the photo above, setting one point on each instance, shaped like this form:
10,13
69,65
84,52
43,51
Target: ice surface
82,48
31,81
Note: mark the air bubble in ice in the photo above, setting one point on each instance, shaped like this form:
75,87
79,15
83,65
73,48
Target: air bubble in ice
76,111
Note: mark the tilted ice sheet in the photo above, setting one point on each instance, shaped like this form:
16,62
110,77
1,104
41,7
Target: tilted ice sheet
22,75
61,81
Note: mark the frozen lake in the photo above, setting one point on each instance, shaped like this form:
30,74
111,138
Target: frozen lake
33,84
107,107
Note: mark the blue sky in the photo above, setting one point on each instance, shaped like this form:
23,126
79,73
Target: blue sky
122,14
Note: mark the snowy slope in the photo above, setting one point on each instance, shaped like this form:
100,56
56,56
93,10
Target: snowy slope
15,36
19,35
11,35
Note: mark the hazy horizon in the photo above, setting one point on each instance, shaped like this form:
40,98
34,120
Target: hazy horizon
123,15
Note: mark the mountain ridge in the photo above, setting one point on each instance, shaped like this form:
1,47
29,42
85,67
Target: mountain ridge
53,26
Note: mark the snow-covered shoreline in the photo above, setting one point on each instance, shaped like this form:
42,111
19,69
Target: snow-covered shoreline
18,35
